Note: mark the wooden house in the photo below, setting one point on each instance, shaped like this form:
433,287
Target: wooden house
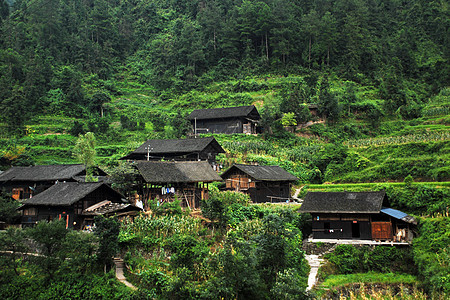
199,149
242,119
167,181
24,182
73,202
356,215
261,183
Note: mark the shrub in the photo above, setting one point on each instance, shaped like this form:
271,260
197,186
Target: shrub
431,253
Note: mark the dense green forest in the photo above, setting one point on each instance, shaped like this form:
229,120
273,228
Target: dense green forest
69,57
130,70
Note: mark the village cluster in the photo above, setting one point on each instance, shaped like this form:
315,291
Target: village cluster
183,169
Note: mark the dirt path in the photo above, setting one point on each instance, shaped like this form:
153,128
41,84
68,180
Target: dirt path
314,262
295,196
119,272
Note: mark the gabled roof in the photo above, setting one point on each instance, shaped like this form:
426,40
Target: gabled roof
228,112
262,173
42,173
174,146
65,194
343,202
177,172
107,207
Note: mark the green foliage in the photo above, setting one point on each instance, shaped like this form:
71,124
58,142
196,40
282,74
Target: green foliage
12,240
371,277
348,259
123,177
288,119
289,285
107,230
73,286
167,208
84,151
77,128
419,198
50,237
431,253
8,208
215,208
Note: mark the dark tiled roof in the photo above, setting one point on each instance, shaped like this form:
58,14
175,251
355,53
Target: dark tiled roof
343,202
107,208
263,173
42,173
65,194
228,112
177,172
178,146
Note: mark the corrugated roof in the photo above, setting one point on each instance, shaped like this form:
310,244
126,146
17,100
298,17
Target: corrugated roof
343,202
263,173
398,215
65,194
42,173
177,172
107,207
226,112
158,147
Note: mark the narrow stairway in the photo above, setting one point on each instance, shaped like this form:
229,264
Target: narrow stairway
119,272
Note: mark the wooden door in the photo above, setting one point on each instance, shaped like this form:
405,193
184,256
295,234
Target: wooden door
381,230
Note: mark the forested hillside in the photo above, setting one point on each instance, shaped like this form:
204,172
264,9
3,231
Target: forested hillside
61,56
130,70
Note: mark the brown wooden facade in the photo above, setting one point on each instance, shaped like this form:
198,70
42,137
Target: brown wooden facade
71,214
260,191
377,227
242,119
190,194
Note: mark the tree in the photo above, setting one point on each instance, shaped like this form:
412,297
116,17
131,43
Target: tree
84,151
49,238
124,177
13,240
8,208
215,207
4,9
107,230
97,102
328,103
311,28
14,111
77,128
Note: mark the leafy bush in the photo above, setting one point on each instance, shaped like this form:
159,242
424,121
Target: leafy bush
215,208
431,253
348,259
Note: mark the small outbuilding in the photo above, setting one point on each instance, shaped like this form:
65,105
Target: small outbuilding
25,182
241,119
73,202
167,181
261,183
356,215
204,149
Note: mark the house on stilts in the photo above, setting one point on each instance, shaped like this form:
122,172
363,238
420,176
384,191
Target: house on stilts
357,216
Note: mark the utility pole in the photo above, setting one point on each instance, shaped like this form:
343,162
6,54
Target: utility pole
148,148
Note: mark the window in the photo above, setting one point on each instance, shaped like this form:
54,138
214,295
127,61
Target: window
17,193
30,211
